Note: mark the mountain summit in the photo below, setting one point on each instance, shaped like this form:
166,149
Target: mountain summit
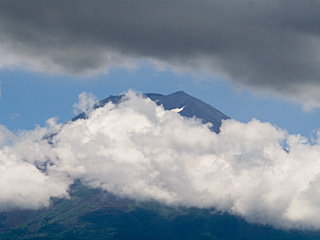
192,107
188,107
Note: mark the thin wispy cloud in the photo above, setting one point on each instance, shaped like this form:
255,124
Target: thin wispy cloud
86,102
268,46
136,149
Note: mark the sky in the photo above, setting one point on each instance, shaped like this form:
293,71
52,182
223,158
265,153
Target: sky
249,59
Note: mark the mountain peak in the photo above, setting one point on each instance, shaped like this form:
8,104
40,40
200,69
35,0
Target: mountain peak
179,92
187,105
192,107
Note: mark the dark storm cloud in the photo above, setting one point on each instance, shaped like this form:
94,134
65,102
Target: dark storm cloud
262,44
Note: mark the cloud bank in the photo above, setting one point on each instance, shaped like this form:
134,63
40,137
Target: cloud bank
137,149
271,46
22,184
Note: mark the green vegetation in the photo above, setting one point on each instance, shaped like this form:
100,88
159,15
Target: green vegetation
95,214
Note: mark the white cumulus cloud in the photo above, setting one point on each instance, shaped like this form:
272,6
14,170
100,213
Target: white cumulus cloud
137,149
22,184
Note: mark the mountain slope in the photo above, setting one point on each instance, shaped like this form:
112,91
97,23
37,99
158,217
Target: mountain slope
95,214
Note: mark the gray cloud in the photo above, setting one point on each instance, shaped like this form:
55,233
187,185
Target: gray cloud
267,45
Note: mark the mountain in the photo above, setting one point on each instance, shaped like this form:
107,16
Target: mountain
96,214
189,106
